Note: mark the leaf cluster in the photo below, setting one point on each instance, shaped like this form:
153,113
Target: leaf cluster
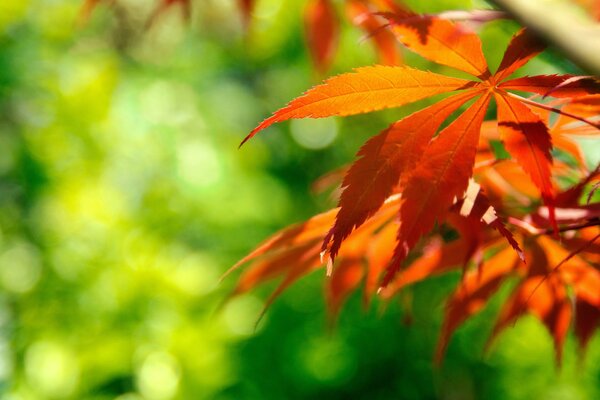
414,180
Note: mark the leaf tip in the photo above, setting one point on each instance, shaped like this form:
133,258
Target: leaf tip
329,268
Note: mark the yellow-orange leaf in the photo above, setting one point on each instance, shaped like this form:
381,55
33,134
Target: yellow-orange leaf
442,42
366,89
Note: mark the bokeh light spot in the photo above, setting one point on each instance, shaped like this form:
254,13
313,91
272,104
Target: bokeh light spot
328,360
199,164
19,267
158,376
51,369
314,134
241,315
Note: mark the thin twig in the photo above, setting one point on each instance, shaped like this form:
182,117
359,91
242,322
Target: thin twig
535,231
554,109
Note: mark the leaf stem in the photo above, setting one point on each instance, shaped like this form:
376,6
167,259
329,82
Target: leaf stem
553,109
533,230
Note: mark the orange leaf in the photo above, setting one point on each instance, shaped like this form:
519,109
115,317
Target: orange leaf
587,106
572,195
358,242
474,292
295,251
404,169
379,253
345,278
396,7
301,266
308,232
294,262
331,180
299,259
384,40
522,48
526,138
549,303
570,147
437,258
576,270
548,85
322,32
367,89
441,41
506,180
477,206
384,158
443,174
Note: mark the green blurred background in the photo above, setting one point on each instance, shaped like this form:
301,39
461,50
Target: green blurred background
123,198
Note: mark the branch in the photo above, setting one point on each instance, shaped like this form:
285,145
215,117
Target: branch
561,24
553,109
535,231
